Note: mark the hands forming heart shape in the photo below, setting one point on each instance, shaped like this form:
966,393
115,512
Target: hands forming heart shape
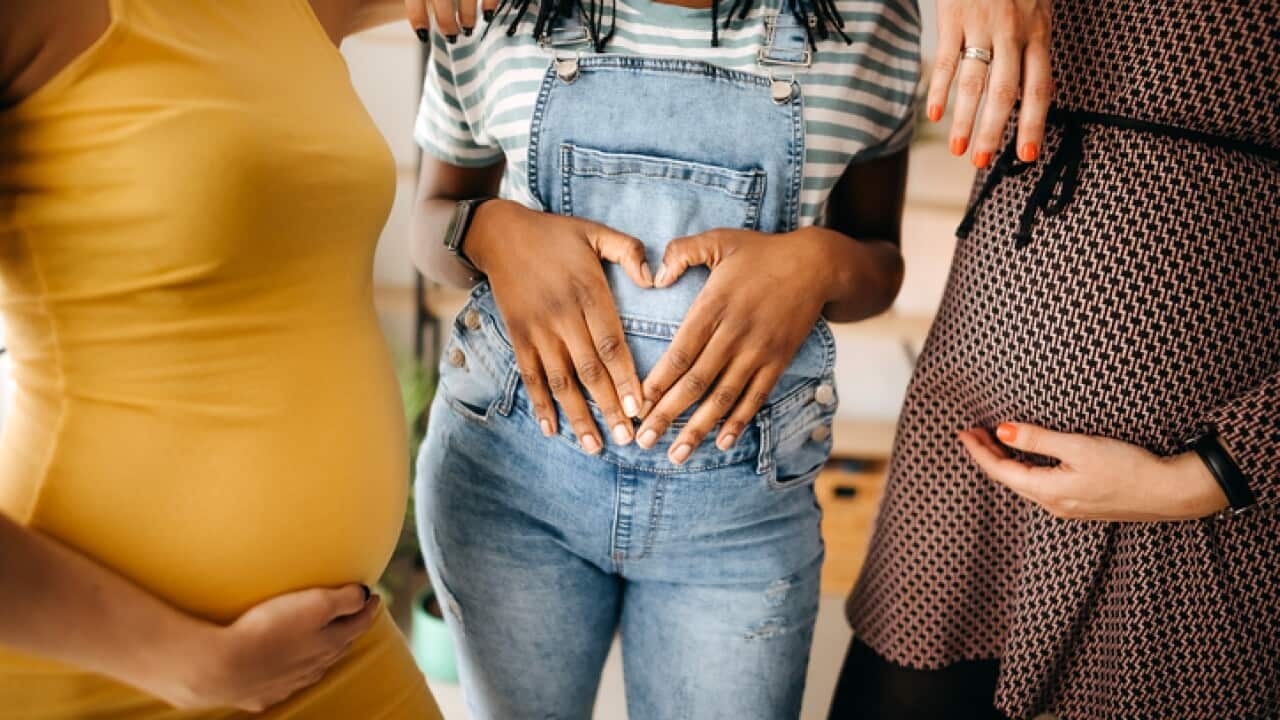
761,300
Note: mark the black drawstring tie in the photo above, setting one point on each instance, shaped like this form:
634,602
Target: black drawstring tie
1056,188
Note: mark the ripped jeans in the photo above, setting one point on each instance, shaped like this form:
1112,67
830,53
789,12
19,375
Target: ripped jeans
541,553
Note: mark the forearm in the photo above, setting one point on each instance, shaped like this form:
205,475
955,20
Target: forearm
863,276
61,605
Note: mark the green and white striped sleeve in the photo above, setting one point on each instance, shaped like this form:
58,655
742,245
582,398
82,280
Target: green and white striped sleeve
446,127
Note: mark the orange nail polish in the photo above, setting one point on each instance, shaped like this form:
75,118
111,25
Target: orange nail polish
1028,152
935,113
959,145
1007,432
982,159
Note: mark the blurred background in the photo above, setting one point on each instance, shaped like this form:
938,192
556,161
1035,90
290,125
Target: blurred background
874,364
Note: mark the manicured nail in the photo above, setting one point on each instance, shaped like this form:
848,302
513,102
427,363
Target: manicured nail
647,438
488,16
545,424
367,592
726,442
590,444
423,35
982,159
453,39
681,453
1028,152
662,275
959,145
630,406
1007,432
621,434
467,31
935,113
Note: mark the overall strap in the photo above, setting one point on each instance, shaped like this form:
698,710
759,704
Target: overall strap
786,39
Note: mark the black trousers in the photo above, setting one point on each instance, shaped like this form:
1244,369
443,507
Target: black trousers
872,688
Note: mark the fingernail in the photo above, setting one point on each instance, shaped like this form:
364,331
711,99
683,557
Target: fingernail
367,592
488,16
727,442
453,39
630,406
646,273
1007,432
681,453
545,424
590,444
647,438
662,274
959,145
982,159
1028,152
467,31
621,434
935,113
423,35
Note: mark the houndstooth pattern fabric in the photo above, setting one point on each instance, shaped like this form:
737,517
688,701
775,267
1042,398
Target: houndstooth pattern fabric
1149,311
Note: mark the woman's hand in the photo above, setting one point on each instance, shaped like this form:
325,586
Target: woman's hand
759,304
1016,33
551,289
1097,478
273,650
451,16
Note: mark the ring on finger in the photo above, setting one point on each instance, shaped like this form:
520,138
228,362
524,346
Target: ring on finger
976,53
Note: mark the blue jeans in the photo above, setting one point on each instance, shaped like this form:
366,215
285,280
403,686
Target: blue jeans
541,552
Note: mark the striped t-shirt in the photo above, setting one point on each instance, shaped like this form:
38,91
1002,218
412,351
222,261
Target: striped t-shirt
478,102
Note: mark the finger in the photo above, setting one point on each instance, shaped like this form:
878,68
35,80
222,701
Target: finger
323,605
950,38
1001,95
985,438
564,388
718,403
594,375
1037,96
691,387
753,398
1015,475
343,631
467,16
971,82
611,347
694,334
446,19
488,7
535,384
419,18
1039,441
622,249
683,253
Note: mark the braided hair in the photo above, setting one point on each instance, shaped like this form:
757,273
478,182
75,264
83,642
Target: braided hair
819,18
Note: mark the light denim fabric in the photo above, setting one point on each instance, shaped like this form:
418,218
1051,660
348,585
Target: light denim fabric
542,552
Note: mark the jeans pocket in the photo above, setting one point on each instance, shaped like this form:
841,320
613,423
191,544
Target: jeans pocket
477,370
799,431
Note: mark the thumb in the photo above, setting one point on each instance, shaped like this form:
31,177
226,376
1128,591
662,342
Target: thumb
683,253
1039,441
324,605
622,249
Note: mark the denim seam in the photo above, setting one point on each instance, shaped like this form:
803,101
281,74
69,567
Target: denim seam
582,161
685,67
535,130
655,515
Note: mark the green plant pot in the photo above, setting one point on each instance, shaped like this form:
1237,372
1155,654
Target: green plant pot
431,642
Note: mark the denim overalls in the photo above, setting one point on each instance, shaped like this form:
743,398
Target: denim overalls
541,552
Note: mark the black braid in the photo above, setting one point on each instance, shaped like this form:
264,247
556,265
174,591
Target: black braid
821,16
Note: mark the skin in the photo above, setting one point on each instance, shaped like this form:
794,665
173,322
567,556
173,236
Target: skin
61,605
1017,33
548,282
1096,478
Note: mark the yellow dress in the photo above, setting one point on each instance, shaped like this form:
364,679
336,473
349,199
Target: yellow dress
205,403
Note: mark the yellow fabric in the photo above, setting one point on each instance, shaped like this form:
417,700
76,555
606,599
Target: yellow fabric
204,402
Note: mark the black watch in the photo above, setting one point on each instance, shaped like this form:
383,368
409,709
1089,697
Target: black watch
458,226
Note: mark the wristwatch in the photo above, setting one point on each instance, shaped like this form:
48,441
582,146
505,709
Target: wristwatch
458,226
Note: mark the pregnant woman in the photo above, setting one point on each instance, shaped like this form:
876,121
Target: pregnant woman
205,457
740,172
1101,539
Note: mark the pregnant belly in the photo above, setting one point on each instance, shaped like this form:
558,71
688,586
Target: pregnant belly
218,510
